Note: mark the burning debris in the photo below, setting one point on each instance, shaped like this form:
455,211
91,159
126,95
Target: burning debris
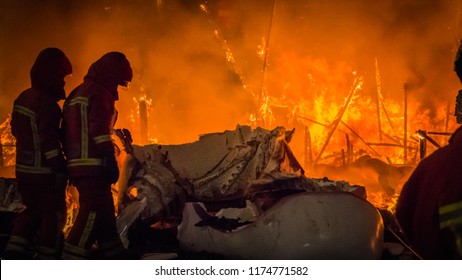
237,186
251,169
229,167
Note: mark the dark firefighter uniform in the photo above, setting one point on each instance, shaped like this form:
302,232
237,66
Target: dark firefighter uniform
40,165
88,123
458,62
458,70
429,208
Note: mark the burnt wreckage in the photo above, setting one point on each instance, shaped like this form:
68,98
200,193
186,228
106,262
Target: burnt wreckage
242,194
237,194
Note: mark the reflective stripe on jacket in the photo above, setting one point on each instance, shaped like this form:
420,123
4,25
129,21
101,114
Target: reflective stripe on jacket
35,125
450,217
88,112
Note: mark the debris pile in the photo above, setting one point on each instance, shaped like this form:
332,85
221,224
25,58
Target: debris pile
220,169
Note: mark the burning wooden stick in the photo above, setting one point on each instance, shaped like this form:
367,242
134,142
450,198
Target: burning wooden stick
424,134
381,104
405,122
229,54
333,126
266,54
308,148
360,138
349,151
349,128
379,94
143,111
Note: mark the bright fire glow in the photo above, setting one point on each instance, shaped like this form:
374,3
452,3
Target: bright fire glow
199,70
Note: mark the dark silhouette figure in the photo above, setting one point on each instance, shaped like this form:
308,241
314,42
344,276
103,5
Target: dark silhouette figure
89,116
40,166
429,208
458,69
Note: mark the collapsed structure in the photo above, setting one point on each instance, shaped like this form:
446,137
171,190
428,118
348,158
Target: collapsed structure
276,211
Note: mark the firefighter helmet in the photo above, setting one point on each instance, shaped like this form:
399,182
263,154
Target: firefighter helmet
111,70
48,72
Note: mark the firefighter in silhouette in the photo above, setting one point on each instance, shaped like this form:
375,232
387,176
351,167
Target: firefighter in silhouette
429,208
458,62
458,69
89,115
40,166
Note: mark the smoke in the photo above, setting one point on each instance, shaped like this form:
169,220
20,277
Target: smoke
182,67
414,41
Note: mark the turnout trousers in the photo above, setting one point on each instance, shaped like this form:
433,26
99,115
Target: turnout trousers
94,233
38,228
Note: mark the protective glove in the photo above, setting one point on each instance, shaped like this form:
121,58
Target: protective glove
110,169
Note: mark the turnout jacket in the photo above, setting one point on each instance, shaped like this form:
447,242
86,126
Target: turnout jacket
89,116
429,208
35,124
88,119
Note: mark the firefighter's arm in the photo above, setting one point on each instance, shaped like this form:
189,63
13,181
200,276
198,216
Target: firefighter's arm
48,130
450,217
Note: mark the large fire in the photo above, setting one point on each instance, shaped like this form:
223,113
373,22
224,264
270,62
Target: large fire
341,114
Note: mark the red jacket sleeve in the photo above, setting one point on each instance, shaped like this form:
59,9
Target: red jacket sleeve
100,115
